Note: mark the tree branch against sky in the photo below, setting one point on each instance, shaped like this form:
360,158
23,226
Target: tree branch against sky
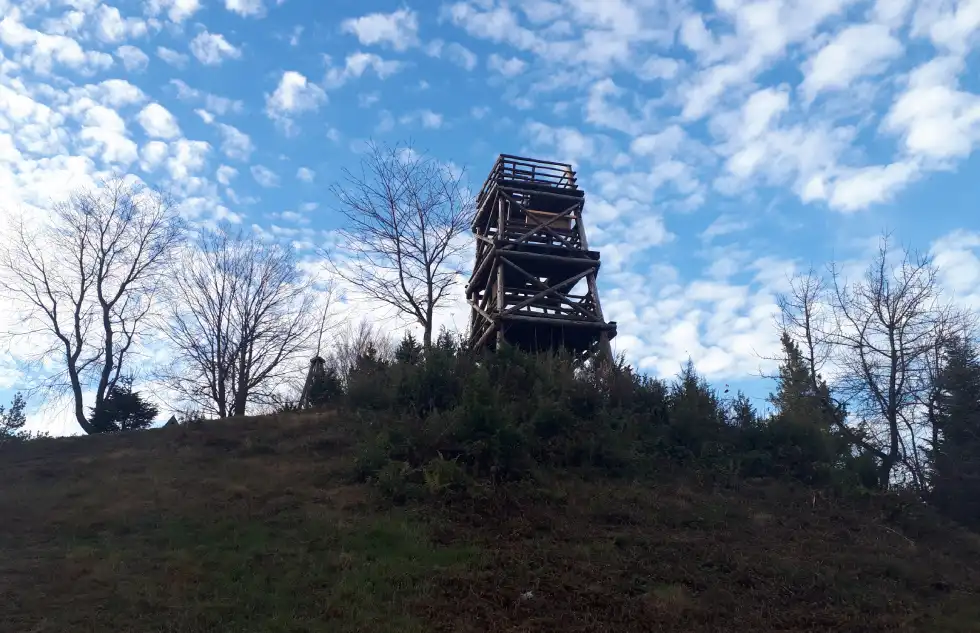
85,282
881,337
240,315
406,215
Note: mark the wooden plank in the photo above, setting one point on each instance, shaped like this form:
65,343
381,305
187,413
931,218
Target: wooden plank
558,259
514,157
561,322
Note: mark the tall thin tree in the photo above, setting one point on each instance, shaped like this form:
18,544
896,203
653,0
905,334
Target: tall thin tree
880,336
240,315
401,246
84,281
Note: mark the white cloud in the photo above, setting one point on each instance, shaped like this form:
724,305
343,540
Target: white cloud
234,143
186,158
430,120
225,174
454,52
42,52
510,67
251,8
158,122
212,48
855,52
398,29
172,57
177,10
957,254
461,56
724,224
871,185
214,103
294,95
132,58
936,119
356,64
264,176
305,174
562,143
427,118
112,92
951,26
112,27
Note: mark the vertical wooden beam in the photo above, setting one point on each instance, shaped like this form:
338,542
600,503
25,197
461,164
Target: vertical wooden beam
605,349
501,303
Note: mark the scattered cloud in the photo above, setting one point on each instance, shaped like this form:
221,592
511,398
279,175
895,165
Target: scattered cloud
508,67
157,122
305,174
214,103
133,59
356,64
854,52
399,29
246,8
172,57
264,176
212,48
235,144
176,10
294,95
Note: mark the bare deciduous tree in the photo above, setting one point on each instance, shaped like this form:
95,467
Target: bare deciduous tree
882,337
86,280
406,214
352,341
240,314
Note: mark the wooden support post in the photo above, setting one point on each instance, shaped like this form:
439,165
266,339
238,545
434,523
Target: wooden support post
501,299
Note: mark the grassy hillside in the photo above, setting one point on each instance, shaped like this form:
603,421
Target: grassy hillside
255,525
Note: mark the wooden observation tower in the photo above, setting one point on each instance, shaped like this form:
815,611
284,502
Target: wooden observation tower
534,279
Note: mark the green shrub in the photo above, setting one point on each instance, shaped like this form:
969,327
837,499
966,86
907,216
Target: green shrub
452,419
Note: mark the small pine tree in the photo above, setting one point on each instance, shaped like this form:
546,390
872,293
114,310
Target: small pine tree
14,419
800,397
326,388
123,409
742,414
409,351
804,435
693,400
955,458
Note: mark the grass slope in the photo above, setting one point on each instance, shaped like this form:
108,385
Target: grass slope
253,525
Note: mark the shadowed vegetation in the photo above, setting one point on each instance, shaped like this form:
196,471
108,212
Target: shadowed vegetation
490,494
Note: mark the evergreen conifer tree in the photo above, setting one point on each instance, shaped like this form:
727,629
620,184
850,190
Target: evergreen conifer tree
955,458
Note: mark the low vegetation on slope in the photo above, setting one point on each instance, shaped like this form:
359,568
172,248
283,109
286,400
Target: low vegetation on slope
439,492
255,525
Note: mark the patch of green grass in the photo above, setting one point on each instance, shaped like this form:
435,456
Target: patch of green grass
251,575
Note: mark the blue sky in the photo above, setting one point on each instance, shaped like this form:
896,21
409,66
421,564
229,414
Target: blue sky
722,145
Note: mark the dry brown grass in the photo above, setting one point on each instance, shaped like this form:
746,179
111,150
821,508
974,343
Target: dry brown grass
253,525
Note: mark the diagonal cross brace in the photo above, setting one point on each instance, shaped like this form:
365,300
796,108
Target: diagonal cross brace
534,280
552,290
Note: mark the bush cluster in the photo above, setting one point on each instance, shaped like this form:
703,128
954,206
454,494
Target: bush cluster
450,419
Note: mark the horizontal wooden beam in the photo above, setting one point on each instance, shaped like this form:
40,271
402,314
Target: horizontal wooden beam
561,322
593,263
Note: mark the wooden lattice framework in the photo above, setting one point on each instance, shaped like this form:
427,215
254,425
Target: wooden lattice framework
534,278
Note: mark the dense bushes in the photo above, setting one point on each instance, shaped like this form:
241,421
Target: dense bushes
454,419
